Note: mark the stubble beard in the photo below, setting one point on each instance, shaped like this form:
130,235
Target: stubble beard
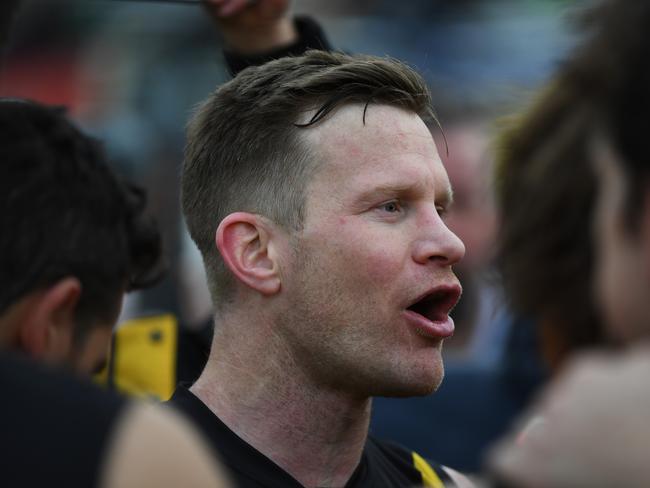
324,327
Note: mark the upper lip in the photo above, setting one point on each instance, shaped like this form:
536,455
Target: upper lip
436,303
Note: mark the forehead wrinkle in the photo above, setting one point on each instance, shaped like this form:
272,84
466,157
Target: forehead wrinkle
347,123
375,154
342,142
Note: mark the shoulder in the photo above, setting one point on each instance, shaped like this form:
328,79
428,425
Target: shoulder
154,447
458,479
28,386
54,420
428,473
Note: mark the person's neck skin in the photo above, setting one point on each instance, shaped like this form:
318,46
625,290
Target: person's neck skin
254,386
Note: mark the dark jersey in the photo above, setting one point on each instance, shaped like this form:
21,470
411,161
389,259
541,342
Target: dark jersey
382,464
53,428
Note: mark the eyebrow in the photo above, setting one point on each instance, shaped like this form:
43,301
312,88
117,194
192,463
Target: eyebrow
370,195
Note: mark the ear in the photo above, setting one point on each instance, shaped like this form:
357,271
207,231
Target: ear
644,229
47,329
246,243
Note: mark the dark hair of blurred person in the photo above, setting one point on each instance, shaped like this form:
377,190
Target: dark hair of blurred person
548,188
596,414
611,76
545,242
56,430
74,238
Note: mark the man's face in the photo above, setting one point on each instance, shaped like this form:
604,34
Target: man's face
370,283
622,261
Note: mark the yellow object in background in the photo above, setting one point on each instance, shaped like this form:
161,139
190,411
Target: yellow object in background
143,358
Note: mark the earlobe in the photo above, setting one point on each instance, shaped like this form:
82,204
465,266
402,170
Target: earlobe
245,242
48,326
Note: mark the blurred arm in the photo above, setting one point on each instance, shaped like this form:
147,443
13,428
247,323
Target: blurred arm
591,428
257,31
251,27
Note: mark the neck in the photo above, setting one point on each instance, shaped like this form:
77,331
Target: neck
252,384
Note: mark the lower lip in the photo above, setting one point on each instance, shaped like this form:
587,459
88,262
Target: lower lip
440,329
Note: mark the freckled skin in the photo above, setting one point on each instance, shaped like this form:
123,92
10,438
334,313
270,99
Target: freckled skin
354,151
357,262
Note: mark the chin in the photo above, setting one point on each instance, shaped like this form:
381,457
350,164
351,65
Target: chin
422,385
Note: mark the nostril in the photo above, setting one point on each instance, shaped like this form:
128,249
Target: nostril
443,247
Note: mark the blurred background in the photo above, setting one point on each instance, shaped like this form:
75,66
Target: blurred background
130,73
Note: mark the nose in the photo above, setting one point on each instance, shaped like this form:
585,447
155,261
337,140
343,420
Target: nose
437,243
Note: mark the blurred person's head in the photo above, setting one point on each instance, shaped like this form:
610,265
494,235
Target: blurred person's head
74,239
593,112
314,191
601,99
611,76
545,197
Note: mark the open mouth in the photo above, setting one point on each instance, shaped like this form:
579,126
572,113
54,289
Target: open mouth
436,305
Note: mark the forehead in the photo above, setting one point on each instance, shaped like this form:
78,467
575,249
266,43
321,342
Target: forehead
393,147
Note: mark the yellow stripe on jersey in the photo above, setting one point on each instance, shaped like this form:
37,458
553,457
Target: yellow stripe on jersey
429,476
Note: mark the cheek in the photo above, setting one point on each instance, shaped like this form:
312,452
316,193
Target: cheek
383,266
366,256
606,286
607,258
608,266
94,349
620,299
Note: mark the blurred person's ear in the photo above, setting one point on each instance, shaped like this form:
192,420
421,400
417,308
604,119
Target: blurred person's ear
45,330
644,229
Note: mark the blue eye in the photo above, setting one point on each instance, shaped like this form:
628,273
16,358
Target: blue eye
391,207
